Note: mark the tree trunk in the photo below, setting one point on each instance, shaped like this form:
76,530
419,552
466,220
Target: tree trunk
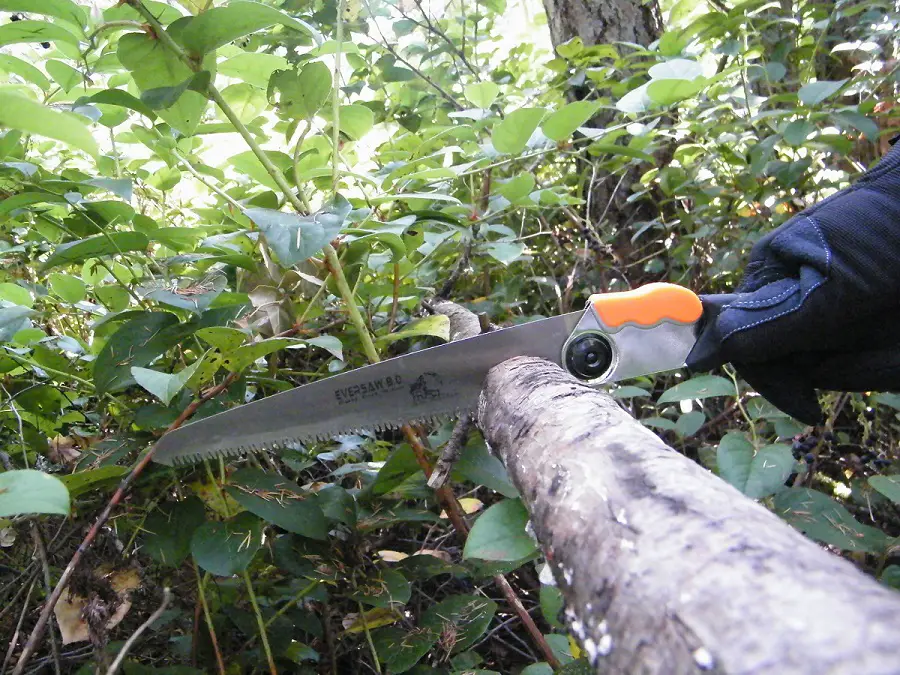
665,568
603,21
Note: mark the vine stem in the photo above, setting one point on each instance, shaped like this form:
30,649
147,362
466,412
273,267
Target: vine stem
336,96
263,635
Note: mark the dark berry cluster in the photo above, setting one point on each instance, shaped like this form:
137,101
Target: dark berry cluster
803,446
592,240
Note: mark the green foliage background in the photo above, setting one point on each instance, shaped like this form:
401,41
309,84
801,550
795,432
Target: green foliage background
172,178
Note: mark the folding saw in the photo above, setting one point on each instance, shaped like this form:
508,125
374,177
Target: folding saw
617,336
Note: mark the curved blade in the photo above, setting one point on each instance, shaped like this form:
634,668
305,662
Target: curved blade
421,386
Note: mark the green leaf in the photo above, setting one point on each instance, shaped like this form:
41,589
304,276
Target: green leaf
164,386
552,603
797,131
301,93
690,423
512,134
630,391
295,238
356,120
26,115
253,67
59,9
279,501
499,534
478,465
222,338
670,91
756,475
702,386
465,616
227,548
384,588
68,288
825,520
25,70
505,252
63,74
137,342
245,100
400,649
329,343
889,486
516,189
123,99
563,123
482,94
167,531
16,294
112,243
93,480
435,326
28,30
12,320
27,491
814,93
863,124
220,25
891,577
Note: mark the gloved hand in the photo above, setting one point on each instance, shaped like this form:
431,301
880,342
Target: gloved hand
819,304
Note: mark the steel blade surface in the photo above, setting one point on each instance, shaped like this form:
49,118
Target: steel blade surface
421,386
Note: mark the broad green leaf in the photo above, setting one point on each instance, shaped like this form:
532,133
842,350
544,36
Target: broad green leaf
122,187
329,343
889,486
60,9
814,93
561,124
245,100
163,98
676,69
222,338
504,252
16,294
243,357
756,475
253,67
227,548
167,531
499,534
400,648
891,577
384,588
482,94
629,391
93,480
797,131
302,92
29,30
164,386
690,423
477,465
63,74
279,501
26,115
400,465
112,243
356,120
12,320
435,326
669,92
702,386
823,519
512,134
293,237
552,603
123,99
853,120
516,189
220,25
466,616
26,491
25,70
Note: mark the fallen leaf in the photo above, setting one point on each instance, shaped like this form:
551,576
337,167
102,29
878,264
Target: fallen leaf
392,556
7,537
69,611
440,555
469,506
63,450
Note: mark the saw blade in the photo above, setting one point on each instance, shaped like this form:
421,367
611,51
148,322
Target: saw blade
421,386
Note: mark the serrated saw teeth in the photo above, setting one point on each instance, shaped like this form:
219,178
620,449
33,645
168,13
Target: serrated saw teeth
189,459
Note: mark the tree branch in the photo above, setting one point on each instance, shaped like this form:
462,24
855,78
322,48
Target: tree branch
665,568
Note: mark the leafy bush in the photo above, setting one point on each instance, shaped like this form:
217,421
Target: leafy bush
187,202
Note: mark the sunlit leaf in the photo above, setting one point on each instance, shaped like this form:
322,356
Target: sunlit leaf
512,134
25,491
26,115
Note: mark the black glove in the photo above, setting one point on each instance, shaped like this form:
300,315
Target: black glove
819,304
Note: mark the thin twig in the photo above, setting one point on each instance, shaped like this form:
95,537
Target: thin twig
451,452
220,664
45,565
129,643
14,640
260,623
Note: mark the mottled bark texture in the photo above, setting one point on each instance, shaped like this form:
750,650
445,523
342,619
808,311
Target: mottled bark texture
603,21
666,569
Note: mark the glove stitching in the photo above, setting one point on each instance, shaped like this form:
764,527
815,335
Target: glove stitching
806,295
757,303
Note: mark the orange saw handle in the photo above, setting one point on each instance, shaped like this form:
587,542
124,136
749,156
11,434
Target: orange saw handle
647,306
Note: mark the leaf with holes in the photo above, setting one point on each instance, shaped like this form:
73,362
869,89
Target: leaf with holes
460,620
383,588
302,92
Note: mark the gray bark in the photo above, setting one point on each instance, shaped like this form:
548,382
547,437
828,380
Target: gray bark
667,569
603,21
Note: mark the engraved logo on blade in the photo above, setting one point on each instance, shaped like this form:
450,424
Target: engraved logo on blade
367,390
427,387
